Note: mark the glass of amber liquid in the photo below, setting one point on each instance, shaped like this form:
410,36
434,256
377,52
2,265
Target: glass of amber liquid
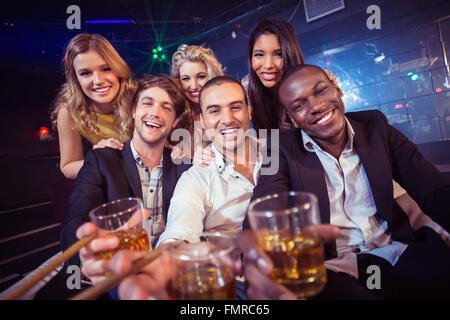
204,268
284,227
125,219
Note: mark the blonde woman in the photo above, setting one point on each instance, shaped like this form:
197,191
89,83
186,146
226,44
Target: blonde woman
193,66
95,101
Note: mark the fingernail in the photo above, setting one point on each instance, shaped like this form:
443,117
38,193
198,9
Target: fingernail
112,242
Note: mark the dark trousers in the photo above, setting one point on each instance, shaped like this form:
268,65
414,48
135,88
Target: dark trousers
422,272
341,286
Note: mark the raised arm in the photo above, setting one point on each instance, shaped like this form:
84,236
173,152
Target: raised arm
187,209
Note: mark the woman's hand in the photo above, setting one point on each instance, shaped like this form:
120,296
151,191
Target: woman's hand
110,143
177,153
203,157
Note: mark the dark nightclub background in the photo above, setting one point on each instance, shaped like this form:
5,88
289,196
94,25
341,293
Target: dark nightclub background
401,69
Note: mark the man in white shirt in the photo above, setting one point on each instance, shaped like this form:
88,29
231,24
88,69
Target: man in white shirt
215,198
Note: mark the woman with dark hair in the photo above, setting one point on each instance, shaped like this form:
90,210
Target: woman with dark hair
273,48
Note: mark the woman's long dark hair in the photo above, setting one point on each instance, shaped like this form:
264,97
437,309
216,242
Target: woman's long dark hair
265,105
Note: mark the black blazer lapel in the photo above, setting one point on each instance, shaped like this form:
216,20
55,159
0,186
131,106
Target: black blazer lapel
169,180
312,176
313,179
171,173
129,168
372,154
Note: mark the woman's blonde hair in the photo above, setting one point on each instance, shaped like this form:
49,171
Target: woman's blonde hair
214,69
187,53
72,97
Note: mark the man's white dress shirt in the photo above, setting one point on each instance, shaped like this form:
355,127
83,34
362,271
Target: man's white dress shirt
352,208
209,199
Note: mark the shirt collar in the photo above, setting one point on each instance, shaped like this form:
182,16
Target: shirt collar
222,163
138,158
311,146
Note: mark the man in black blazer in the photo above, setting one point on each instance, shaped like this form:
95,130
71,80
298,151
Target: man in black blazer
413,264
110,174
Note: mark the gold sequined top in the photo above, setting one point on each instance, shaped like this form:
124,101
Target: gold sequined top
105,124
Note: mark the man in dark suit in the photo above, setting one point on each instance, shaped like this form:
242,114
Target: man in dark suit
144,164
143,169
349,162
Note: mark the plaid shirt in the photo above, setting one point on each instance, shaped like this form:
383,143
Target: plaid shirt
151,184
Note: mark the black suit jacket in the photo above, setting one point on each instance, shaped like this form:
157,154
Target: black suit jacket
386,154
107,175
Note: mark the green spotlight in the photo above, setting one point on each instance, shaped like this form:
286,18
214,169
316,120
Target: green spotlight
159,48
154,51
163,56
155,56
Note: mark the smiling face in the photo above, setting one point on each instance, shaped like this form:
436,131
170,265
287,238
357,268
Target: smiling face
267,59
225,115
193,76
315,105
98,82
154,116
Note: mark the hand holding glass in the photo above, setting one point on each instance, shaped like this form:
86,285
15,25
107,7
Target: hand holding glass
284,226
204,269
125,219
